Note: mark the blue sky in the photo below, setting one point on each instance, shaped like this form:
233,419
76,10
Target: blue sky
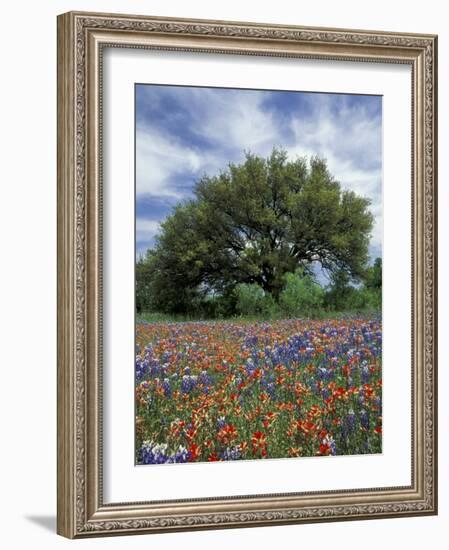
183,133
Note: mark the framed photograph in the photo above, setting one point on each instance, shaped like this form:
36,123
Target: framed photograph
247,274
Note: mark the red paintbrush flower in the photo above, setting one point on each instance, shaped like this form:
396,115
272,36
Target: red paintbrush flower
227,434
306,427
258,440
194,452
213,457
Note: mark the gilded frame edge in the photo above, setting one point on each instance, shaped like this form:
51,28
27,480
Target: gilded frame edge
81,36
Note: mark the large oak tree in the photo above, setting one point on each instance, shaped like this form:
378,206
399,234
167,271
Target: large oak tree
253,223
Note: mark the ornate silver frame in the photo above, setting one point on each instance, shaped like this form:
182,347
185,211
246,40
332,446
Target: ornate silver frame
81,38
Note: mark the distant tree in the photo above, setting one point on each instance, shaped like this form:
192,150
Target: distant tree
340,293
302,295
373,275
343,295
253,300
253,223
143,285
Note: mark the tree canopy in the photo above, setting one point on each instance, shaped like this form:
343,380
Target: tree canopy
255,222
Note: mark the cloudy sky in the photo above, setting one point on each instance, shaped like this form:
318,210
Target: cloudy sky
183,133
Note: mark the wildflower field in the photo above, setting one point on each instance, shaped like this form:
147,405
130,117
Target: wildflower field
230,390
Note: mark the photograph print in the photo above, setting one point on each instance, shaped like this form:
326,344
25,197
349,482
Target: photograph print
258,274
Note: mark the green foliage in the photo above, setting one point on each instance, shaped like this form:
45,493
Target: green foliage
373,275
218,306
367,299
252,300
340,293
343,296
143,286
302,296
252,224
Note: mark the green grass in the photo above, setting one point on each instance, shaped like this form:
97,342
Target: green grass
156,317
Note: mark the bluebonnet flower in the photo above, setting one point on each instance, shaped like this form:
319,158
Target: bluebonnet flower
205,379
231,453
188,383
141,369
166,387
364,419
322,373
350,420
221,422
157,453
365,373
149,349
181,455
250,366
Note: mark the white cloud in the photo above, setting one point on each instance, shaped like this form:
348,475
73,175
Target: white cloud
235,119
158,159
351,142
231,121
146,229
350,132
